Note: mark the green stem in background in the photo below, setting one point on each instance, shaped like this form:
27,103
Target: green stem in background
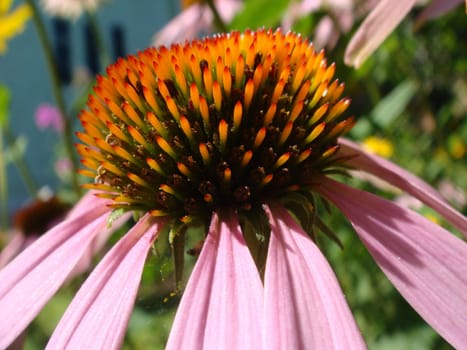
101,47
219,23
3,188
21,165
57,92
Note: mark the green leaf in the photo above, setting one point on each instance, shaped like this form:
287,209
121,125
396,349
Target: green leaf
4,105
393,104
259,13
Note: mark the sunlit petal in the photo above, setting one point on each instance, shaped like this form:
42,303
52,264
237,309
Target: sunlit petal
375,28
221,306
304,305
403,179
427,264
33,277
98,316
435,9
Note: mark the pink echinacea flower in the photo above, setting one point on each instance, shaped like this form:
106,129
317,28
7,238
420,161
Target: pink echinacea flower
49,116
237,134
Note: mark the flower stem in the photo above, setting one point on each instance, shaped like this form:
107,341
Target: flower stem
101,47
3,188
22,166
57,92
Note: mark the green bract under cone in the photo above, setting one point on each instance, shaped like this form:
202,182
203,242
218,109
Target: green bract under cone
236,119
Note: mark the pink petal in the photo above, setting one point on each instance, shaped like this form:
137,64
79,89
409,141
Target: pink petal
185,26
403,179
99,313
97,245
435,9
82,206
34,276
221,307
15,245
375,28
427,264
304,305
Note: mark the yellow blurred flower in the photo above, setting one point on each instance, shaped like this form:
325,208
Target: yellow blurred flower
379,146
457,147
433,218
12,22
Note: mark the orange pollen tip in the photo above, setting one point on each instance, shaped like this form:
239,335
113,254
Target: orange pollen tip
194,95
208,198
203,150
155,166
227,175
186,127
183,169
227,80
247,158
304,155
138,180
164,145
217,95
171,105
158,213
281,160
223,133
260,135
317,130
318,114
204,110
285,133
249,91
267,179
268,118
237,115
156,124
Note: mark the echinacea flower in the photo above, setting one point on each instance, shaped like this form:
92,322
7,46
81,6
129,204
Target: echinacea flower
12,22
239,134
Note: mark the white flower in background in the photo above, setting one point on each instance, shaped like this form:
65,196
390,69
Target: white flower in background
71,9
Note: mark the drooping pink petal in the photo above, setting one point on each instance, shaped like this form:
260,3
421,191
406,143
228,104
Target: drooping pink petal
427,264
88,200
435,9
375,28
304,305
221,307
401,178
33,277
96,245
100,311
